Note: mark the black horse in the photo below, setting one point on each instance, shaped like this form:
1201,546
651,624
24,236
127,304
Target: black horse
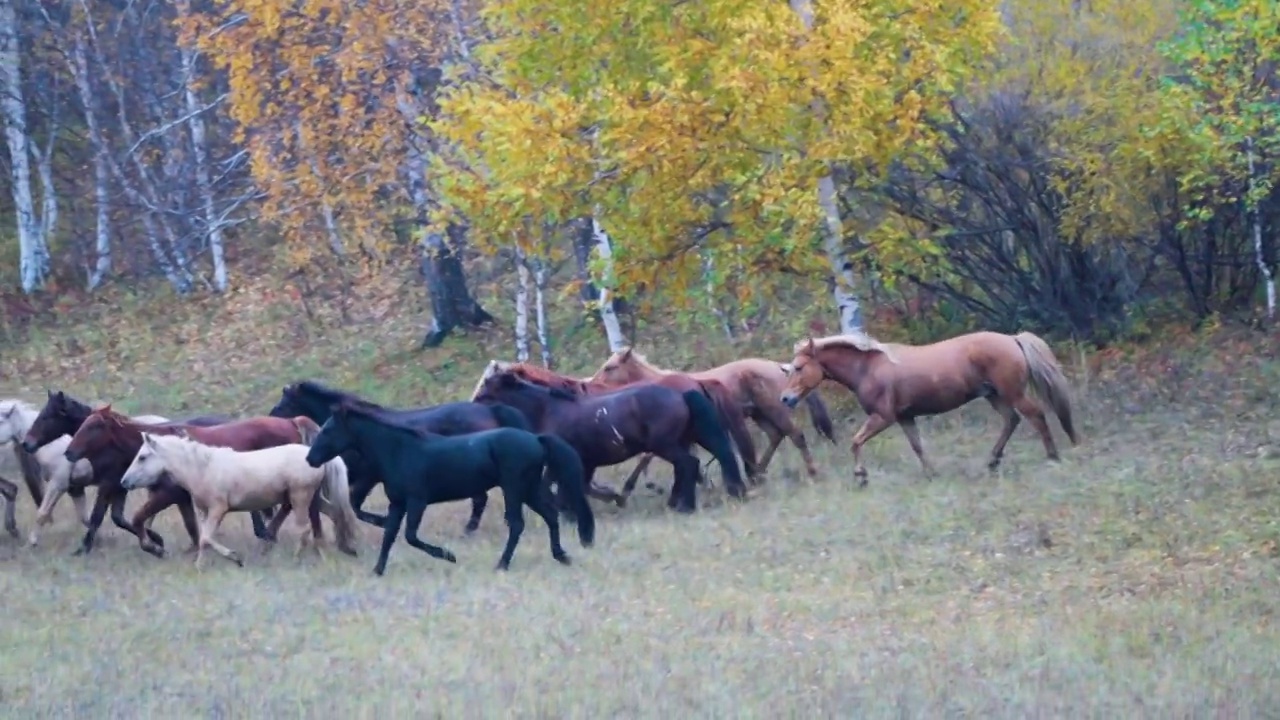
420,469
316,401
63,415
613,427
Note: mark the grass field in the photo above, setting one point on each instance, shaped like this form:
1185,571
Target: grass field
1136,578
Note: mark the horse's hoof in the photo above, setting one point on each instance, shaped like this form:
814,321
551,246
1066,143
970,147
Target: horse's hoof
620,501
13,532
379,570
470,528
562,558
236,559
448,557
80,551
502,567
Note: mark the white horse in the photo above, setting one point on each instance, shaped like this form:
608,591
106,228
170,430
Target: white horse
45,471
223,480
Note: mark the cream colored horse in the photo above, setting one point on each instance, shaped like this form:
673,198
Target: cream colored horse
222,480
46,468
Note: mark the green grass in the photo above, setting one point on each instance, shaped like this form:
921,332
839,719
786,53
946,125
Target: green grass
1136,578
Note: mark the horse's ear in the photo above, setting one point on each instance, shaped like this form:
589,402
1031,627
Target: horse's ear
149,440
626,354
105,409
49,393
809,347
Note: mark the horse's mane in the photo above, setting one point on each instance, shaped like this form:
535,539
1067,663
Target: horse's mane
555,390
371,411
106,413
637,358
534,375
22,405
186,448
855,341
334,396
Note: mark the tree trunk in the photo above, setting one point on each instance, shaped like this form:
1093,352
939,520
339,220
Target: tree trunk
612,328
584,238
522,308
540,311
451,303
1259,256
195,123
34,267
842,283
101,169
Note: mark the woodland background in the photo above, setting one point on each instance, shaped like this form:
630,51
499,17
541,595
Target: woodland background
1085,169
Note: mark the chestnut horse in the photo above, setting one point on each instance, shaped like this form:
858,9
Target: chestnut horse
727,408
110,441
899,383
754,382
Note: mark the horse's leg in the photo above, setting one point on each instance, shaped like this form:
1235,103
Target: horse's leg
390,528
1031,411
212,520
10,493
630,485
137,530
273,527
414,514
78,502
259,525
912,431
319,505
683,497
298,497
58,484
539,503
871,427
105,497
478,504
360,493
158,499
511,498
1011,420
781,418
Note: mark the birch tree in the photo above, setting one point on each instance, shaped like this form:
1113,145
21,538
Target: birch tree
32,228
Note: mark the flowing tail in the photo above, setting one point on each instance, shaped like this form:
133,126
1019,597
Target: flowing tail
566,467
307,429
821,418
734,420
712,436
338,494
507,416
1047,379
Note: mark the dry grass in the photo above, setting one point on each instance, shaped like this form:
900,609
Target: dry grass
1136,578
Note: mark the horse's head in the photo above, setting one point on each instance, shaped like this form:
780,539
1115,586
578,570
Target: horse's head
334,438
804,374
620,368
147,466
56,418
289,404
11,425
94,434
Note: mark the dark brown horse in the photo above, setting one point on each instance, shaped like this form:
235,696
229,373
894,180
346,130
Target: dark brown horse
109,441
730,413
613,427
899,383
62,415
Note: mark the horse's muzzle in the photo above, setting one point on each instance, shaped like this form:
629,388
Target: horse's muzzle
28,446
790,400
72,456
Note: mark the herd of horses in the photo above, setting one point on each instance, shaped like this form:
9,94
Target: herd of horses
537,435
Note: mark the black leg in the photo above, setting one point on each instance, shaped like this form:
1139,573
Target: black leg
360,493
478,504
95,520
515,524
395,515
541,504
416,510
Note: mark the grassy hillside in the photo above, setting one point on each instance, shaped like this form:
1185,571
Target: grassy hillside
1136,577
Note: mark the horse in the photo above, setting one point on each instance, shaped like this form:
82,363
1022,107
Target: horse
419,469
613,427
222,480
899,383
109,441
727,408
755,383
314,400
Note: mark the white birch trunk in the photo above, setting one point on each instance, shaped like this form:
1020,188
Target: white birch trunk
612,328
1267,276
33,253
842,282
213,225
708,275
522,308
101,169
540,311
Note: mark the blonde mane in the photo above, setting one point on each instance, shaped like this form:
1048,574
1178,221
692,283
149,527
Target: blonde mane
854,341
191,454
639,359
493,368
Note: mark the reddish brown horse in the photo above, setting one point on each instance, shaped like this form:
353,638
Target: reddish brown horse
729,412
754,383
899,383
109,441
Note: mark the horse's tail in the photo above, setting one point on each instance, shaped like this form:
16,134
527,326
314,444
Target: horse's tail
307,429
734,420
338,493
821,418
507,416
564,463
711,435
1047,379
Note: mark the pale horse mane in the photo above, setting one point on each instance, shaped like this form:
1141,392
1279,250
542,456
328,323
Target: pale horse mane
187,454
855,340
638,358
25,412
493,368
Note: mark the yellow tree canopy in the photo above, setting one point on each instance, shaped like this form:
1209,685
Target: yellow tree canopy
668,120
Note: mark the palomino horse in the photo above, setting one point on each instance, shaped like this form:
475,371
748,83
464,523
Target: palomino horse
221,480
755,383
613,427
721,397
109,441
45,471
899,383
